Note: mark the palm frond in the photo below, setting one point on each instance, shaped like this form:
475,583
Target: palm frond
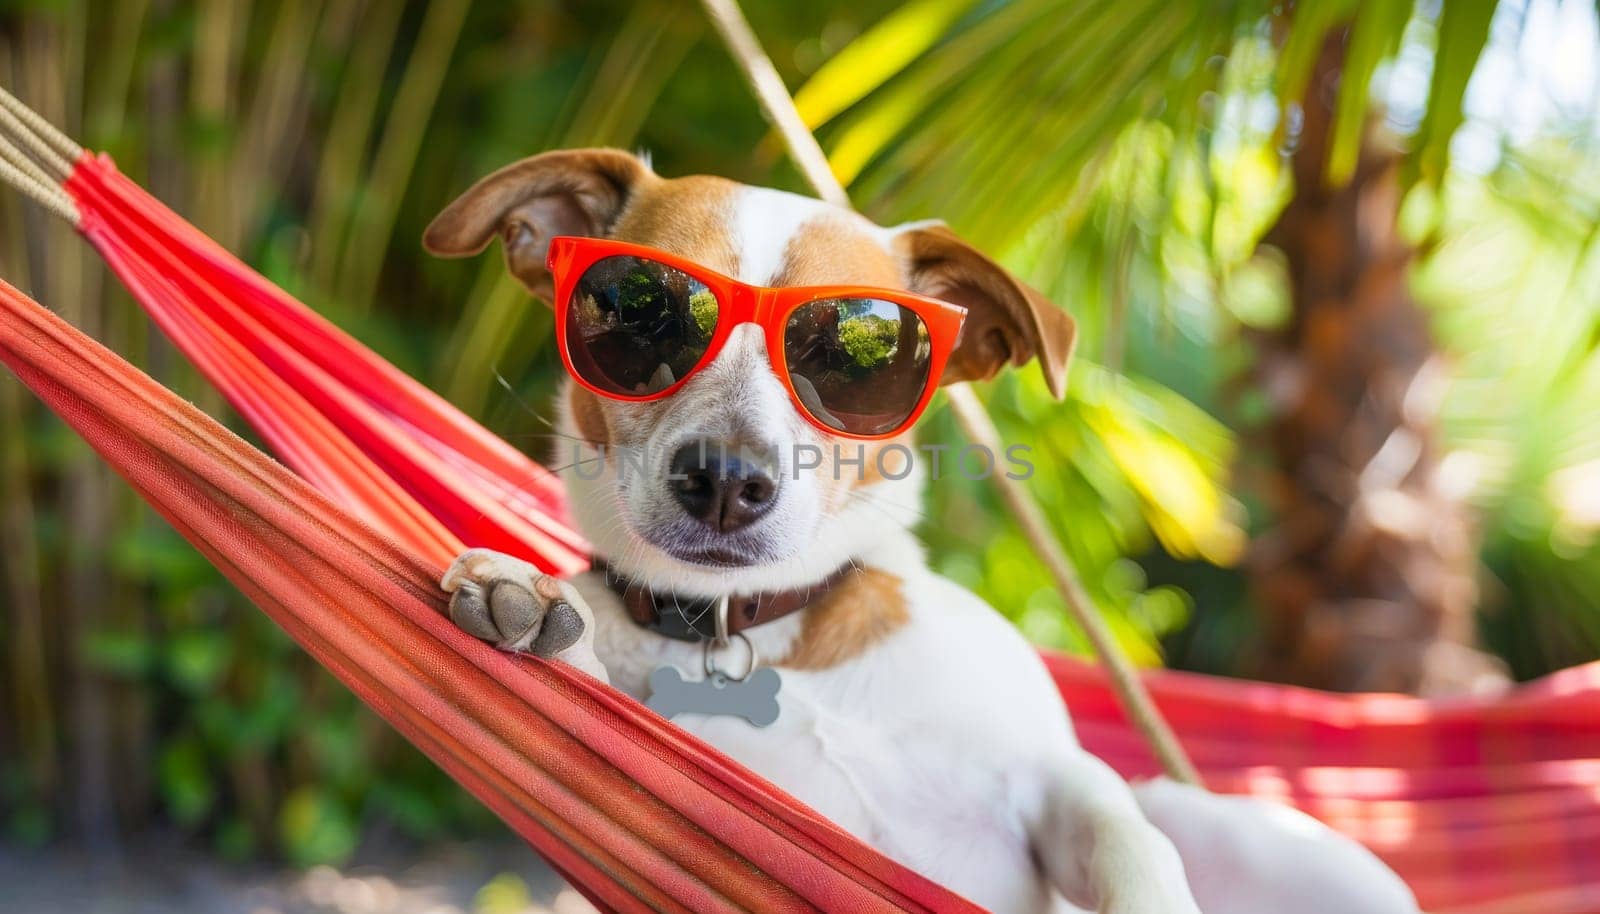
914,123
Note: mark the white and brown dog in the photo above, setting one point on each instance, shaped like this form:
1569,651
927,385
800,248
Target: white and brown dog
912,714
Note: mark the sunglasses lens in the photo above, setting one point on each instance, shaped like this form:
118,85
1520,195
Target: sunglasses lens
860,365
635,327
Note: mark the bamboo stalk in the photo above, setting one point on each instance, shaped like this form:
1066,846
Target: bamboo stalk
398,148
618,92
779,106
107,80
349,134
113,71
26,674
91,778
259,161
219,32
31,698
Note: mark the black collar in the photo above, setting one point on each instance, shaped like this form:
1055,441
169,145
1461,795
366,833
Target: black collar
694,618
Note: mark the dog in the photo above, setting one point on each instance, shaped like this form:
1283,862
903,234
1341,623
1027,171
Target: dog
910,713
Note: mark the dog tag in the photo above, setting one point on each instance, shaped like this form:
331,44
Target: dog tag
754,698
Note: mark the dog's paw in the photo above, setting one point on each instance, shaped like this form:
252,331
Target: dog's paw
516,607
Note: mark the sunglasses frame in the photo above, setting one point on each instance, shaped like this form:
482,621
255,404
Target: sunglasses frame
741,303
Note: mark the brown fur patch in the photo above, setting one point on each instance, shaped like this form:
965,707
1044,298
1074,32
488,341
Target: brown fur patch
588,413
1008,322
859,612
884,462
831,251
690,217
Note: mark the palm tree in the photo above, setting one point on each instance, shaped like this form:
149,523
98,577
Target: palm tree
1366,579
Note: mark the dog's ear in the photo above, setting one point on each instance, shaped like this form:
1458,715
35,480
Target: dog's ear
1007,323
565,192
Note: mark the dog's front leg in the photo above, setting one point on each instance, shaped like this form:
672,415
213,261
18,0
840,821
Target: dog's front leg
516,607
1099,850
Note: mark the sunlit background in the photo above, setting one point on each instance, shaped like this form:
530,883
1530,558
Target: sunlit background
1337,431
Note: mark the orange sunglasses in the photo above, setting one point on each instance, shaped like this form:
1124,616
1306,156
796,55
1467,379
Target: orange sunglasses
635,323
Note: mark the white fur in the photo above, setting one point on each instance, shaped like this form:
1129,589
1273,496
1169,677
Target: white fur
1246,854
922,747
945,745
763,222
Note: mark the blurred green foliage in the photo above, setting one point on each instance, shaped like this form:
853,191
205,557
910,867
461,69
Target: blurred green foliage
1124,157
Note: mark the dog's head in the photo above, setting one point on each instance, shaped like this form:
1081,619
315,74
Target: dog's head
724,485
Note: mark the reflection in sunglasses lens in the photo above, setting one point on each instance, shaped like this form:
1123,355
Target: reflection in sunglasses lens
860,365
636,327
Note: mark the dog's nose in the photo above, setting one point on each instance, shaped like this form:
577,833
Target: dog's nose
723,486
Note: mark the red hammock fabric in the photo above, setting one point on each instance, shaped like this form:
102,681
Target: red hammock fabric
1483,806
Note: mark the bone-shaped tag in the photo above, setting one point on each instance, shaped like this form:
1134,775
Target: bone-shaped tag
754,698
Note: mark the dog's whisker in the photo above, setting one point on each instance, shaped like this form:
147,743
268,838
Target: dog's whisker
585,461
505,385
523,436
555,431
884,507
522,487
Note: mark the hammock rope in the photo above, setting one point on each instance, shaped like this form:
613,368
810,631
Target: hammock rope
24,174
52,146
1484,806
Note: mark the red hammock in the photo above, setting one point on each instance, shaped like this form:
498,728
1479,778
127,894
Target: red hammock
385,447
1483,806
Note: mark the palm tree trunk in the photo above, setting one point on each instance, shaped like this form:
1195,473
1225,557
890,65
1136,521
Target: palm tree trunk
1366,580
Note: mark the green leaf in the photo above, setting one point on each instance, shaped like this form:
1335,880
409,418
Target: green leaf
196,659
28,825
157,554
418,814
235,839
1463,32
125,654
185,774
335,743
506,893
1308,29
876,56
316,828
1373,39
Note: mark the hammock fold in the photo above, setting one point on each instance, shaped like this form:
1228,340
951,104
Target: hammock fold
1483,806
